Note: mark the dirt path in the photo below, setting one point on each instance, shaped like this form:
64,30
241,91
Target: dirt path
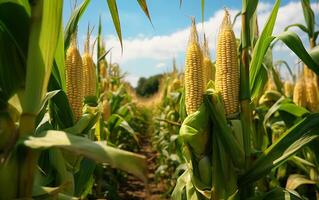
135,189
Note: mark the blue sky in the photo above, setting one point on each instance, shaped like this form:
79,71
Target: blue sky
148,50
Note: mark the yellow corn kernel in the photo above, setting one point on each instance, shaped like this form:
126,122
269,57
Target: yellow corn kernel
103,68
308,73
74,79
288,89
299,96
89,72
89,75
227,69
194,87
106,110
208,67
312,96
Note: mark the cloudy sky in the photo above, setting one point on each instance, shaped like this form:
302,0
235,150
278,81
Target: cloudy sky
149,51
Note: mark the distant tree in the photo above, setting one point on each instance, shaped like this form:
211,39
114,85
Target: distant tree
148,86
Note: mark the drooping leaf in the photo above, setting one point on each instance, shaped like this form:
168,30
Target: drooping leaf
144,7
93,150
292,41
296,180
116,20
300,26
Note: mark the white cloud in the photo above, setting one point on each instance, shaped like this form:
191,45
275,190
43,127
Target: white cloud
132,79
160,65
164,47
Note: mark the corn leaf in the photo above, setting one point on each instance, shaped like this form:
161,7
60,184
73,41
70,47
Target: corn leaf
296,180
82,177
93,150
58,70
232,147
116,20
14,33
309,16
73,22
143,6
300,26
46,21
278,193
298,136
292,41
248,10
260,50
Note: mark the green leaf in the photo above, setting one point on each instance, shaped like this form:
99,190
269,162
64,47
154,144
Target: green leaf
278,194
296,180
248,9
301,134
116,20
46,21
309,16
217,115
14,34
58,70
72,24
260,49
292,40
143,6
60,111
300,26
93,150
82,177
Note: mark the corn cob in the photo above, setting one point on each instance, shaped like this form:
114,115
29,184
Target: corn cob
271,85
89,73
308,73
103,68
208,67
227,69
312,96
103,63
194,86
106,110
299,96
74,78
288,89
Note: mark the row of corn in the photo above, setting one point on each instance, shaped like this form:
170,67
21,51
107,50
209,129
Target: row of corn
81,78
199,70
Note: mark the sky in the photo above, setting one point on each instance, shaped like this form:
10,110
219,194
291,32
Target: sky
149,50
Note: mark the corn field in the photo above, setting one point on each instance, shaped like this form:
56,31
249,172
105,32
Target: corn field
228,126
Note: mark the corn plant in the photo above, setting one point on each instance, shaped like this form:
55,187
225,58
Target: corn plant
46,145
227,155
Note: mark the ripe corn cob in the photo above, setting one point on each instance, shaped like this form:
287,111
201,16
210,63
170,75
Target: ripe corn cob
289,89
194,87
74,78
208,67
89,72
308,73
312,96
103,68
299,93
271,85
227,69
106,110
